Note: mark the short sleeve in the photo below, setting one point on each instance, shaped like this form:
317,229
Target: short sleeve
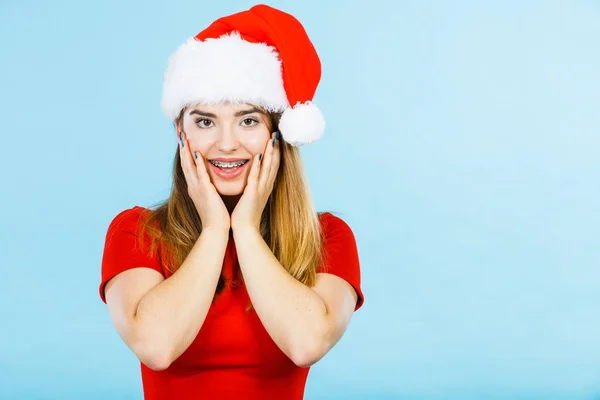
121,250
341,253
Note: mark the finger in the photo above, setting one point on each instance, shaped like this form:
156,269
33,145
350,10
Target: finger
255,170
265,174
276,158
274,167
187,164
276,155
201,167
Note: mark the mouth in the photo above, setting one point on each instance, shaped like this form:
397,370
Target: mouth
228,170
225,165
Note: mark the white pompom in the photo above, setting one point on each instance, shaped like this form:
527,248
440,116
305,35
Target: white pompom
302,124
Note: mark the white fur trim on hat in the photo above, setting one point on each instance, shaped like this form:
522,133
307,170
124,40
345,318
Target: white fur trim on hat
225,69
302,124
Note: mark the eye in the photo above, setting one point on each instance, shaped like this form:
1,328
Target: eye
249,121
201,122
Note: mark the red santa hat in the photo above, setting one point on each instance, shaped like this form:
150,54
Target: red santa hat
261,56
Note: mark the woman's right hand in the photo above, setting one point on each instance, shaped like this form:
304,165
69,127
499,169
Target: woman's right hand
211,209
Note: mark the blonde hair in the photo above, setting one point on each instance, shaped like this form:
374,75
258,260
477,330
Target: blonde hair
289,224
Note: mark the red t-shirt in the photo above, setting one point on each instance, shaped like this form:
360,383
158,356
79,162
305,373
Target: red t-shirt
233,356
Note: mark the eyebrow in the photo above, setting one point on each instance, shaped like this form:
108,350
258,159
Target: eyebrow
237,114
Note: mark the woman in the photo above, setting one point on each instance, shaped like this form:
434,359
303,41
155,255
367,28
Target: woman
234,286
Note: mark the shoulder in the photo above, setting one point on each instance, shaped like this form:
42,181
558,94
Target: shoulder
336,232
127,219
129,215
332,224
122,247
340,252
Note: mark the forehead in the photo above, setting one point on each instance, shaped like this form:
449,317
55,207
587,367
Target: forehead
224,108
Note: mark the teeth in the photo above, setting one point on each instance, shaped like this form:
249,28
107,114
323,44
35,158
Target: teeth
228,164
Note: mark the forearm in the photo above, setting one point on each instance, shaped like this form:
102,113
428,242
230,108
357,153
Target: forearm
292,313
170,315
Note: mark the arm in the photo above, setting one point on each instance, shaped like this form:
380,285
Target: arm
304,322
158,318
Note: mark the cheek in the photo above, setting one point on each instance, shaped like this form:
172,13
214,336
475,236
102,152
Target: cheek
256,143
198,144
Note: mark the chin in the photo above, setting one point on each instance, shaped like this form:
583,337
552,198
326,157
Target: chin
230,188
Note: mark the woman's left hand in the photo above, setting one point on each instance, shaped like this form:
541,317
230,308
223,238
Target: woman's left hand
250,206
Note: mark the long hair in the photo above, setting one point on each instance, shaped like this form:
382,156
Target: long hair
289,224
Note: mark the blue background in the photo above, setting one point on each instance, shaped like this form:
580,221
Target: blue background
461,146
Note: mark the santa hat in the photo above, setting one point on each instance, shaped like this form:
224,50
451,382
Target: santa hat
261,56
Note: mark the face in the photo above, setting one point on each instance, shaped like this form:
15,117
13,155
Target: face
225,131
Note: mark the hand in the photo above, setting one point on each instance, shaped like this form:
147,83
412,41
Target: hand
250,206
211,209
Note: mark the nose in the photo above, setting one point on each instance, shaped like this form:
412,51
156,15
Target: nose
227,140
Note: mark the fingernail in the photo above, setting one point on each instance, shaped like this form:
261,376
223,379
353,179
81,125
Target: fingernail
196,154
259,157
277,135
180,135
182,145
273,143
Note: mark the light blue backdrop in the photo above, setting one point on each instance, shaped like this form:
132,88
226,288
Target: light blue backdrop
462,148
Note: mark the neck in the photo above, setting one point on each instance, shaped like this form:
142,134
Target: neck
231,202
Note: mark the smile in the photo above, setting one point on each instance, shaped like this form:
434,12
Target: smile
222,164
228,170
